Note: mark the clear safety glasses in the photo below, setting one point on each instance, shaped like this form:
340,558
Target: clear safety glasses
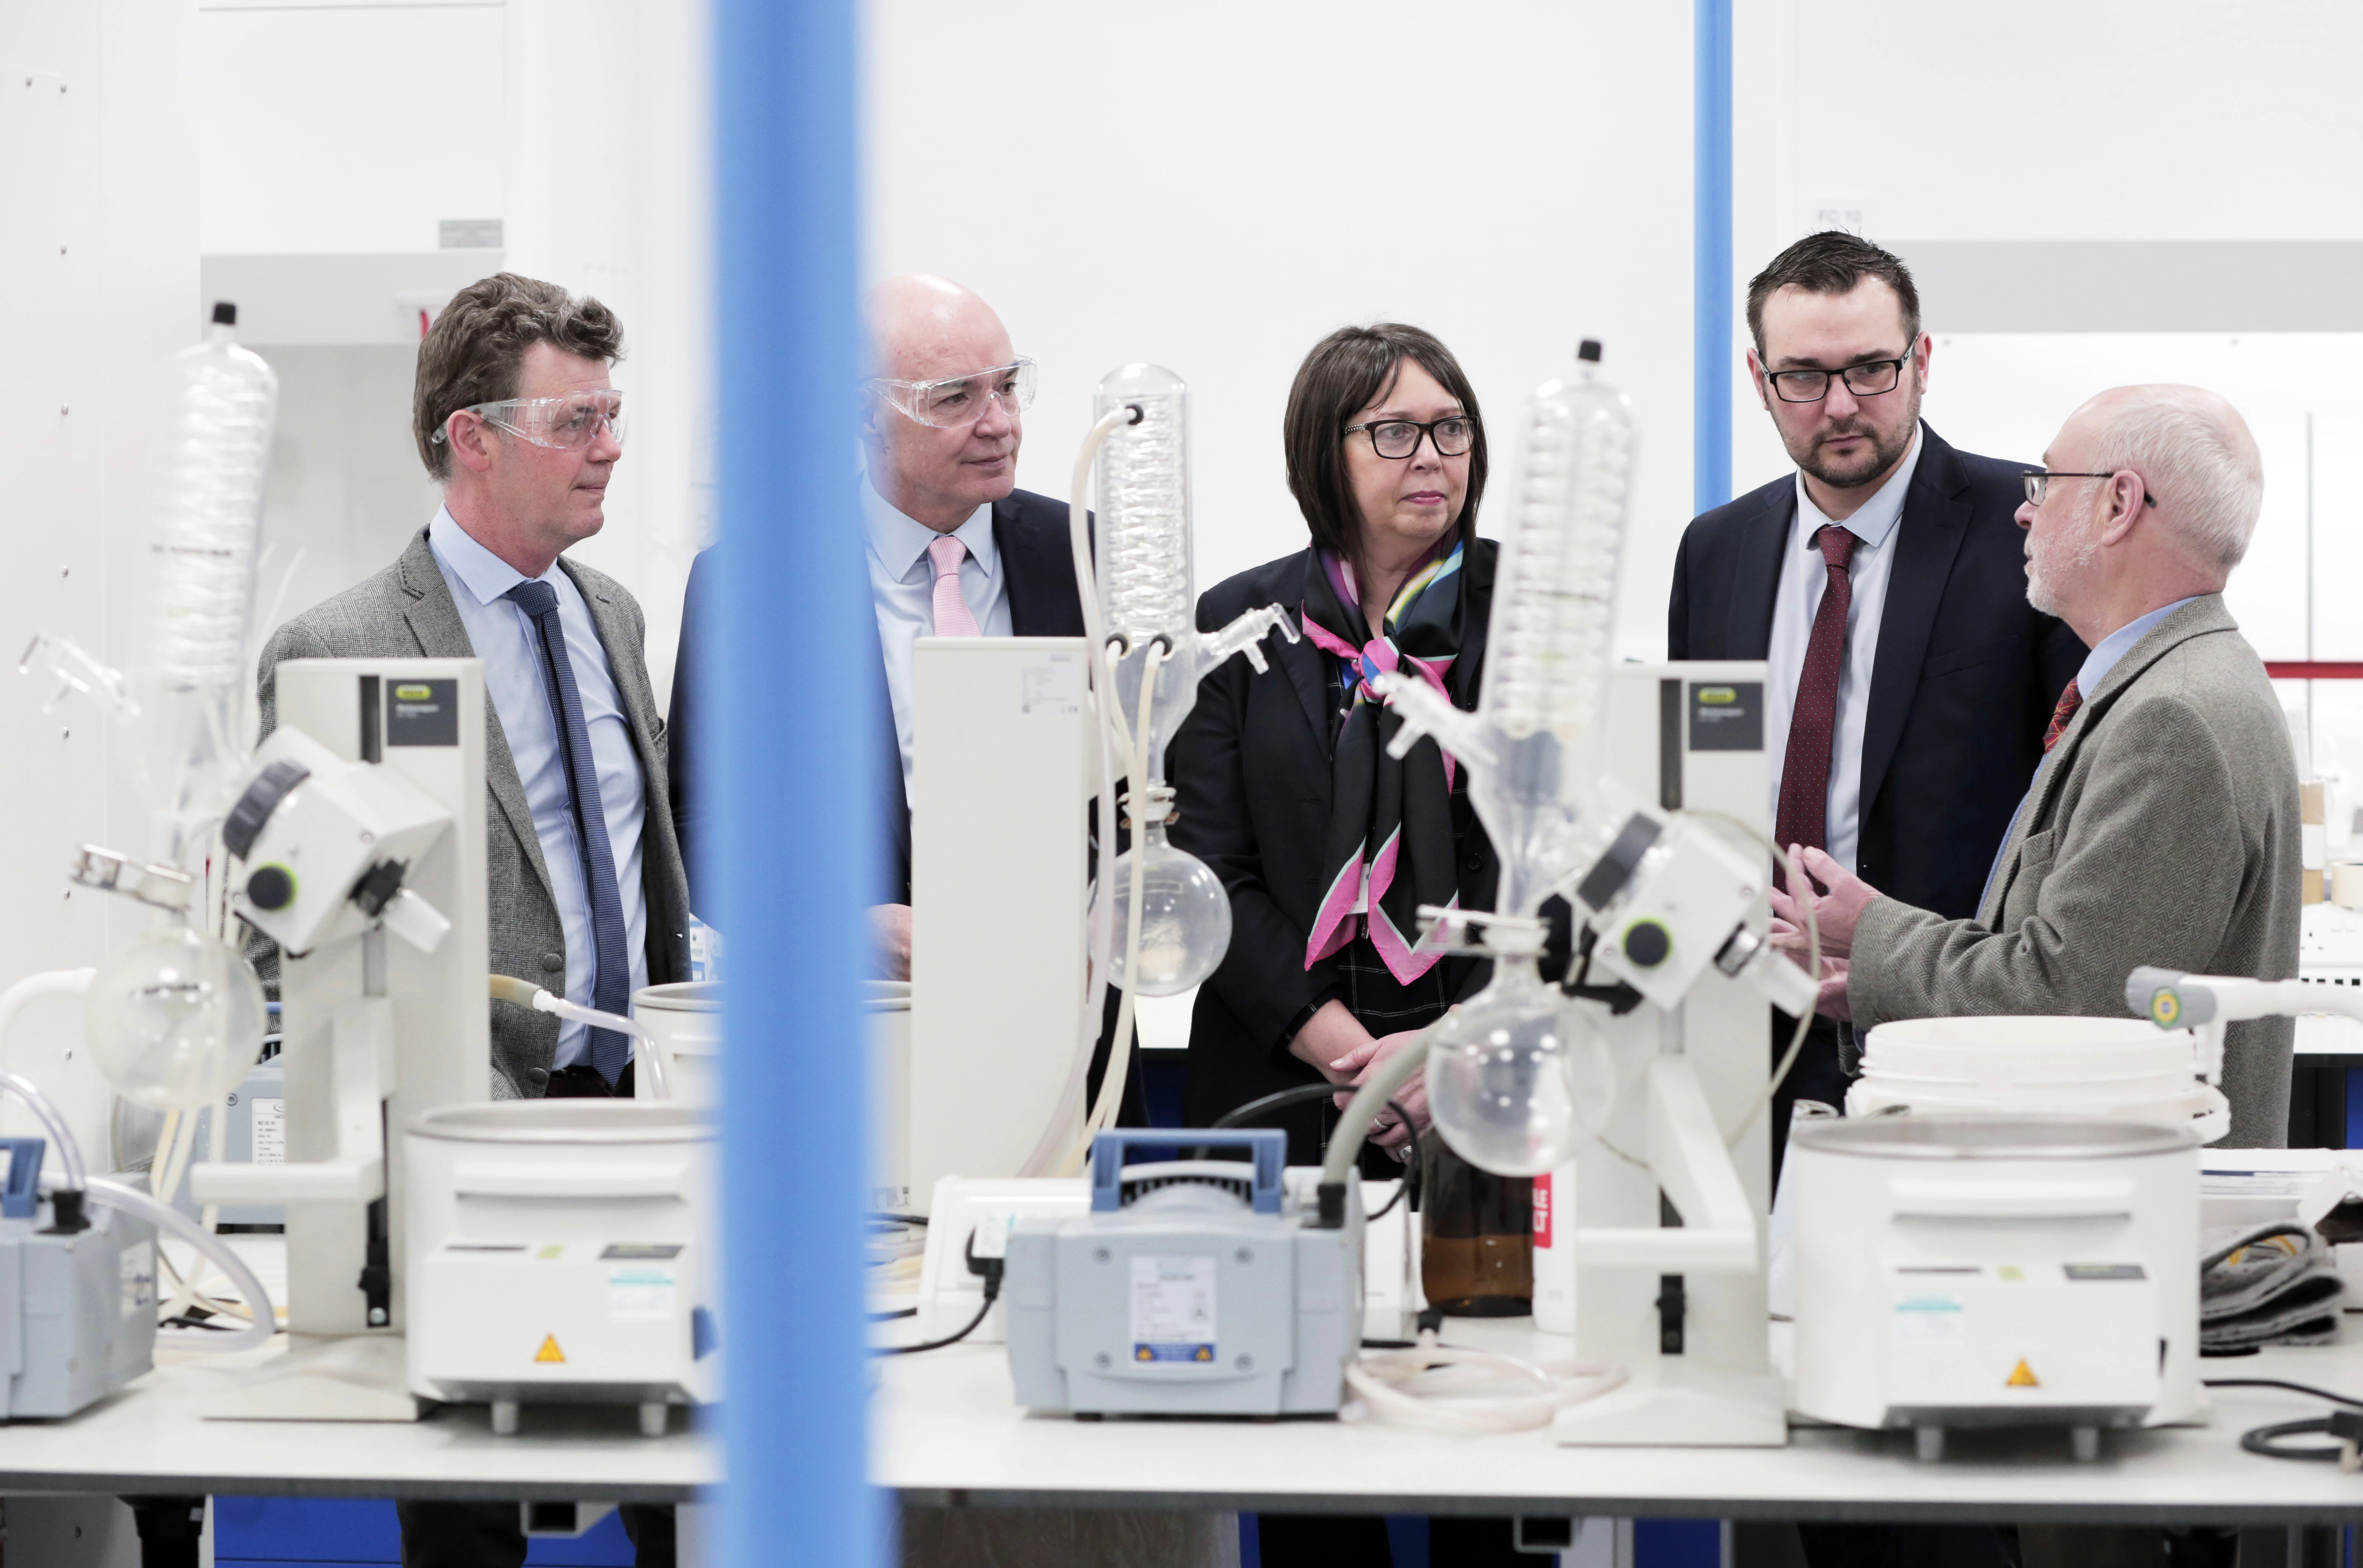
951,403
563,423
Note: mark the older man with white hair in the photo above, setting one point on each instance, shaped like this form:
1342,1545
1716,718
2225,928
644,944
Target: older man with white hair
2161,827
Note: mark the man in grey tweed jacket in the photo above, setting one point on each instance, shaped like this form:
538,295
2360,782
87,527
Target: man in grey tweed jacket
513,412
2161,827
407,609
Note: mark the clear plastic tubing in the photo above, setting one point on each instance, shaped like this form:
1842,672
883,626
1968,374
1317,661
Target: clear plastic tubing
201,584
1144,511
1554,614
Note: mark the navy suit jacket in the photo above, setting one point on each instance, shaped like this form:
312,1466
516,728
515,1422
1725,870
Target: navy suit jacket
1029,531
1962,685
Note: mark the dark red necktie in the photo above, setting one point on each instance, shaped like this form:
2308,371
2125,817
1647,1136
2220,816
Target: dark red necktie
2069,700
1804,812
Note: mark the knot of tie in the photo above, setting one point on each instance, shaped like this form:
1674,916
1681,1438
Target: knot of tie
953,617
2069,700
534,597
1837,544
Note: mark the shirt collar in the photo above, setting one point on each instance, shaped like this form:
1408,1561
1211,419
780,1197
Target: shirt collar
482,573
900,541
2117,644
1875,519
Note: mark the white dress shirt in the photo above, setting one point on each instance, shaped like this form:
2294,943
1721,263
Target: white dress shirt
1803,576
504,638
902,588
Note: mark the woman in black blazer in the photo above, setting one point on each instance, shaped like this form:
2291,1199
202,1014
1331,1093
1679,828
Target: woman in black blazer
1326,846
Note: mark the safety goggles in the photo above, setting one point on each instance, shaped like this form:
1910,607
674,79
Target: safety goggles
952,402
561,423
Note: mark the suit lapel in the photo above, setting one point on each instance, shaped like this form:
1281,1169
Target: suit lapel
1928,536
1300,659
434,622
1755,578
630,675
1038,565
2205,617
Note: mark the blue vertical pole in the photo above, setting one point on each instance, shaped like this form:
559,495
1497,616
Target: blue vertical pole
1710,259
789,650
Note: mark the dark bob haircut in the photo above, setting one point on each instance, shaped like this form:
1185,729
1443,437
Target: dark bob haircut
1347,372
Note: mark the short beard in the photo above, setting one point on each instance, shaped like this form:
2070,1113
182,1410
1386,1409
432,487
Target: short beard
2042,591
1886,450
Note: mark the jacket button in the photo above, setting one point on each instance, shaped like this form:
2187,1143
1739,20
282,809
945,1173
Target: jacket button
553,961
1476,863
539,1076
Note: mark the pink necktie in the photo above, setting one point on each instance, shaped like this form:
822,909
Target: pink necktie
952,619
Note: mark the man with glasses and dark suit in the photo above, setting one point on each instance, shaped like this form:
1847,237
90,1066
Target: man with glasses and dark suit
954,548
1910,681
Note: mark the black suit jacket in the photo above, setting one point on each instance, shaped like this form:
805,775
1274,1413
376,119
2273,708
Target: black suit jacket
1029,531
1250,769
1962,685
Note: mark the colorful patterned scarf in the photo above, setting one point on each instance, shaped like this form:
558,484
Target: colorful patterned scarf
1393,818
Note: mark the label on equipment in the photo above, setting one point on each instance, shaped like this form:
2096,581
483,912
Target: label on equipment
1172,1308
139,1264
639,1295
2085,1272
1055,687
1542,1203
269,1131
1929,1321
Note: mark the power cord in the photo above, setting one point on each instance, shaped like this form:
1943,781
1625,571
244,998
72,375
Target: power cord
2345,1426
1254,1109
987,1269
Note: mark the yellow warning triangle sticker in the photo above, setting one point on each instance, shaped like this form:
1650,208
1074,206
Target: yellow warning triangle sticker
549,1352
2021,1377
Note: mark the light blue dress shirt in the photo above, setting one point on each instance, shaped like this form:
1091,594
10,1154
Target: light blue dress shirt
1804,574
503,637
2089,676
902,590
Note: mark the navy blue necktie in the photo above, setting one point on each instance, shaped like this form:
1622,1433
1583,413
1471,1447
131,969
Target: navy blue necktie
611,989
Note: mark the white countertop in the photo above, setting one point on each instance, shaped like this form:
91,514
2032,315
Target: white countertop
148,1437
947,1434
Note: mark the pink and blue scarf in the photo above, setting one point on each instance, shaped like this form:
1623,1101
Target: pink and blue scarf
1393,817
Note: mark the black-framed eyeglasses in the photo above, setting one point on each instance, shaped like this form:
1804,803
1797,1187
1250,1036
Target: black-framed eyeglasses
1867,379
2037,480
1399,438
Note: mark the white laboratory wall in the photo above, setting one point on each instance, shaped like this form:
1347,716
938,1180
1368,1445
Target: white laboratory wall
361,162
98,262
2127,132
1216,186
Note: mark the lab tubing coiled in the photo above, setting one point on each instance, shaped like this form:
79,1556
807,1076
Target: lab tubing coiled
1549,647
1144,560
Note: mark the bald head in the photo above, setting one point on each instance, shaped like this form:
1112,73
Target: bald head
2195,458
924,328
2153,494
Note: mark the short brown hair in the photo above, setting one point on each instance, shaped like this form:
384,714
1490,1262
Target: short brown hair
472,352
1833,263
1347,372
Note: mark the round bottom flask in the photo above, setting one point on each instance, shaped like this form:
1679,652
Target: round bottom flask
176,1019
1518,1080
1185,924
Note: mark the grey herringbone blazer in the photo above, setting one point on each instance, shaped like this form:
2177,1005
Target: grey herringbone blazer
407,610
2162,829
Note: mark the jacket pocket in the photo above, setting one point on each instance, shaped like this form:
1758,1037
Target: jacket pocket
2034,855
1970,656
